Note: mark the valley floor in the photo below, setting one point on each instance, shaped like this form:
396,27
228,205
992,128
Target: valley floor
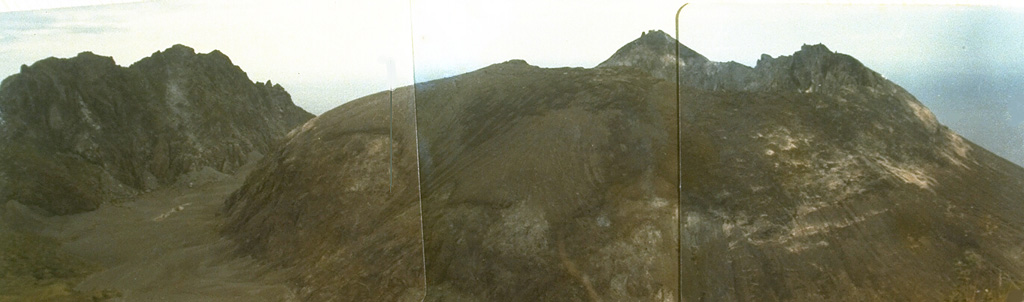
162,246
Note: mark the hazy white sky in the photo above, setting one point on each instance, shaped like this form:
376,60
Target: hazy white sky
328,52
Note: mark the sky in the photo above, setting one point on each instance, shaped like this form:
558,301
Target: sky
326,53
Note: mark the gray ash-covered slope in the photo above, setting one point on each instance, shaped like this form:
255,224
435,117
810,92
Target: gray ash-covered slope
538,185
81,131
548,185
815,178
325,206
851,196
807,178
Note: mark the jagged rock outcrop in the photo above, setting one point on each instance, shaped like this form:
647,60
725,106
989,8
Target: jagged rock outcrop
655,53
806,178
81,131
813,67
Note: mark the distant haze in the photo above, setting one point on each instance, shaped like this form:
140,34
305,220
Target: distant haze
955,59
985,108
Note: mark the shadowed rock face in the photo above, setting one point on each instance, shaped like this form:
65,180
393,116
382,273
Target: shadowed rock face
78,132
806,178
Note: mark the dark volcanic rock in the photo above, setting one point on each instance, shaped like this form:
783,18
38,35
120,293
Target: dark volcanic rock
324,205
843,197
813,67
807,178
655,52
539,185
77,132
548,185
811,177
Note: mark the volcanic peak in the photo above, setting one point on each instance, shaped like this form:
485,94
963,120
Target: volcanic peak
90,130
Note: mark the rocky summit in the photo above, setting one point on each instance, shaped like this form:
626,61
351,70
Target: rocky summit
81,131
805,178
814,67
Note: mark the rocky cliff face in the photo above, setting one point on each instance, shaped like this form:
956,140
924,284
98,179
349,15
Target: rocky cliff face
806,178
81,131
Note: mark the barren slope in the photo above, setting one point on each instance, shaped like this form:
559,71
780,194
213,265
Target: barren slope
808,177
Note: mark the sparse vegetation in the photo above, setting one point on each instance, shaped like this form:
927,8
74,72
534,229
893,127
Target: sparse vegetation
33,268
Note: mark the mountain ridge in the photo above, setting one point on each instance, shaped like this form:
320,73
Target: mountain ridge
104,132
808,177
813,66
